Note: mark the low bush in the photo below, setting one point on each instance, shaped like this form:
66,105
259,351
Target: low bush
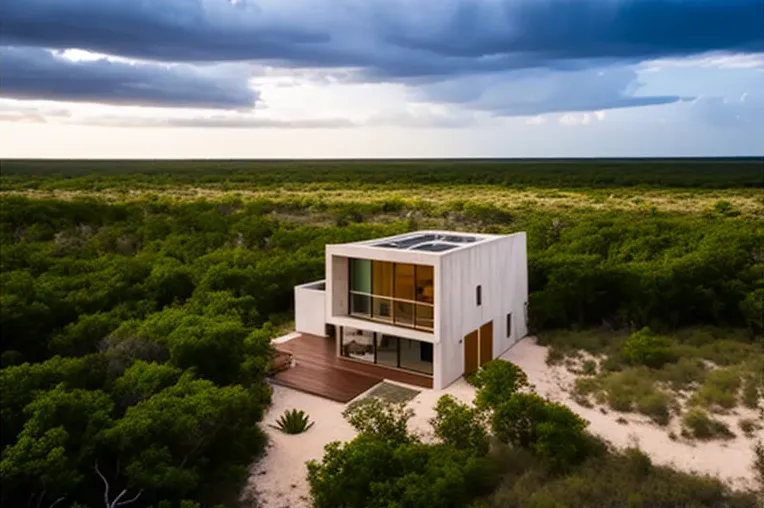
748,426
683,374
751,395
555,356
656,406
645,348
758,464
589,368
696,423
720,389
621,479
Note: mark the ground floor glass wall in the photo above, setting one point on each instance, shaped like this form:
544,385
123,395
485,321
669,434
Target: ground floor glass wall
387,350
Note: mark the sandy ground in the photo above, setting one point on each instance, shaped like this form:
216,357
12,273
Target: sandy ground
279,479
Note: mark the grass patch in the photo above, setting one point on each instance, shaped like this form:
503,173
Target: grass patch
751,392
697,424
684,374
748,426
555,356
589,368
627,391
388,392
593,341
719,391
622,479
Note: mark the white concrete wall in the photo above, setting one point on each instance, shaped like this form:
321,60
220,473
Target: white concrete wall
336,284
500,267
309,309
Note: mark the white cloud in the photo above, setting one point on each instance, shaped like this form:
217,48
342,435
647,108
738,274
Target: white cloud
581,118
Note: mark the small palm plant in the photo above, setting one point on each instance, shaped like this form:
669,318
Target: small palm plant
293,421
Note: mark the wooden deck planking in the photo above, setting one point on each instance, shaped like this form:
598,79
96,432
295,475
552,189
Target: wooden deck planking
319,371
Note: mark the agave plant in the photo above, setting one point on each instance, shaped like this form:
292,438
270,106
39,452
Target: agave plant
293,421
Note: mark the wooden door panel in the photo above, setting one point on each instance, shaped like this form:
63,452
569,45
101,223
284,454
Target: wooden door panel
486,342
471,352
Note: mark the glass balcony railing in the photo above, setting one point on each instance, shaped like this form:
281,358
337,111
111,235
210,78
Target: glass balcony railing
397,311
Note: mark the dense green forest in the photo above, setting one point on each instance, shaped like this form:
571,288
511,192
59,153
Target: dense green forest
556,173
136,331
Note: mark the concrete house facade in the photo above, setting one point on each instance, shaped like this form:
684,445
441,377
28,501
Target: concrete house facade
436,303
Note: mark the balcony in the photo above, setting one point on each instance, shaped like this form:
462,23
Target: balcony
395,311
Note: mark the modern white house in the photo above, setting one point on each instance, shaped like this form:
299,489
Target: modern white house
437,303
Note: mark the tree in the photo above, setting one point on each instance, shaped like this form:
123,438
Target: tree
189,436
549,429
384,420
64,430
460,425
496,381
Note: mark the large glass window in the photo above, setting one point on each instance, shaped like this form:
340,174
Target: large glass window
425,283
382,278
404,281
387,350
360,275
358,344
399,293
415,355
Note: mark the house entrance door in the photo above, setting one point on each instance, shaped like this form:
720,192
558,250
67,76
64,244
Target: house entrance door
478,347
486,342
471,352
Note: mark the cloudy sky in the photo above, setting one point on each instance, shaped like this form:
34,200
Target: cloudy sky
381,78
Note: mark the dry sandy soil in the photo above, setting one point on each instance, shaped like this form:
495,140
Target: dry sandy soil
279,479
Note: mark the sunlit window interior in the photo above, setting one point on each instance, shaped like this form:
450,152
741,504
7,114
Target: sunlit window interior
395,293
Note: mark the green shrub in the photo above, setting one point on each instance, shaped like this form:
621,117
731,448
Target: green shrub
615,480
589,368
293,421
719,390
497,380
472,379
624,389
584,388
554,356
750,393
549,429
375,473
683,374
758,464
748,426
387,421
656,406
699,425
645,348
460,425
613,363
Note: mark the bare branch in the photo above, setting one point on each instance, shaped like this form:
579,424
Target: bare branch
112,505
57,501
106,485
129,500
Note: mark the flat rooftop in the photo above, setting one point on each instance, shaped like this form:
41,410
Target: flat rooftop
428,241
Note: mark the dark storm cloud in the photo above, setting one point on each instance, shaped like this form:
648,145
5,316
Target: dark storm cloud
388,37
35,73
420,43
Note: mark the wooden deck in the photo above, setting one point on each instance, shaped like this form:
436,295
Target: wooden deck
319,371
